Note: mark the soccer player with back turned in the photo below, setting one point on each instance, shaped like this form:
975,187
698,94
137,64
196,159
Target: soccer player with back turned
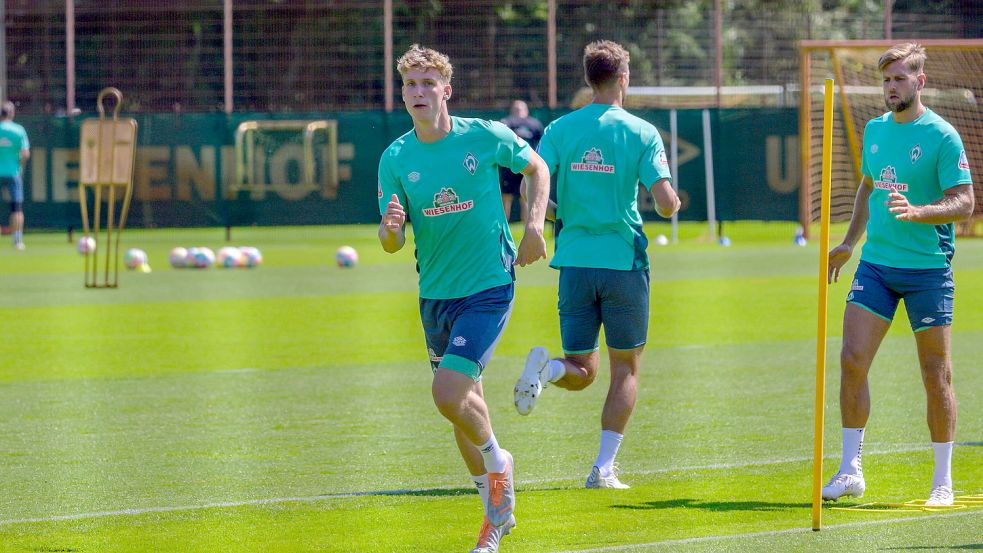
443,176
600,153
916,183
15,149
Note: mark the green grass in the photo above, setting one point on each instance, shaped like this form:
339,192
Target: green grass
287,408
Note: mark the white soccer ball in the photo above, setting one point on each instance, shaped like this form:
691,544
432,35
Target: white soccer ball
251,257
87,244
134,258
346,256
661,240
229,256
201,258
178,257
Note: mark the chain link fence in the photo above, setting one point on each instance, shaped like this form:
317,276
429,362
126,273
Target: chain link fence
306,55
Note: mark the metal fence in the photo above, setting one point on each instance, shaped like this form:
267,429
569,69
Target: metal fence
306,55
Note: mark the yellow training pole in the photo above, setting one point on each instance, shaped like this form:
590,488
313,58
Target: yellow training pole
817,462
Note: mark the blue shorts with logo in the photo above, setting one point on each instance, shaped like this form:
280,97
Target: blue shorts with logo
928,294
590,297
15,186
462,333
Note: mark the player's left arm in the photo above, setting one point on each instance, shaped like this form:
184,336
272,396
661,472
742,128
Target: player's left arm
956,204
536,191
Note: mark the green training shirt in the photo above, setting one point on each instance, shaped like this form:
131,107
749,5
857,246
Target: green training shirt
599,154
452,197
13,139
919,159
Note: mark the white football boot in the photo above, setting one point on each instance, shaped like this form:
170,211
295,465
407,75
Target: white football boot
941,496
841,484
532,382
490,537
611,481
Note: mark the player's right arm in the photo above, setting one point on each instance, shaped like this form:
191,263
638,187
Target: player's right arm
666,200
391,229
391,233
839,255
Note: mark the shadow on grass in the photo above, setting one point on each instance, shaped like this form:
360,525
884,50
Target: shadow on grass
714,505
968,546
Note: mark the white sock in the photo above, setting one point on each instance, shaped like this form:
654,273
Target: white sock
493,455
555,370
481,482
610,442
853,446
943,464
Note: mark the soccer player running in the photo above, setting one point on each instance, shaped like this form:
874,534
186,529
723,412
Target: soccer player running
600,153
15,149
915,185
443,176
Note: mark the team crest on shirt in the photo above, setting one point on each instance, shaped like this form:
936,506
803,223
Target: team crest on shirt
889,179
447,201
663,162
963,160
916,153
470,163
592,162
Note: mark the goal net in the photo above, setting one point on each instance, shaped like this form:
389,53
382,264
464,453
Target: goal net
954,90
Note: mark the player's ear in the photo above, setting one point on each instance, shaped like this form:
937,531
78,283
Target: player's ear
921,81
447,92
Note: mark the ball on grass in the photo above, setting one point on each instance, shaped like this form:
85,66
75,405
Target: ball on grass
134,258
251,256
661,240
178,257
229,257
87,244
346,256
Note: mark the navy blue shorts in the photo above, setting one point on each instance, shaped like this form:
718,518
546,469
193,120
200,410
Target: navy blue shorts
462,333
15,186
591,297
928,294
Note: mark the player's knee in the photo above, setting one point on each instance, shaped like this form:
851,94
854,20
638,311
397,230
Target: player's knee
853,362
582,377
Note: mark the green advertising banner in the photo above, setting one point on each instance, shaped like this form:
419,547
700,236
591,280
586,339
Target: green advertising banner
320,168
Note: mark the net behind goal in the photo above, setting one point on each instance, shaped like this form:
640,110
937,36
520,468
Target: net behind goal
954,90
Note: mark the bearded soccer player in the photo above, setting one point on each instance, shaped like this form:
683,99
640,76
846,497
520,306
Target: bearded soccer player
916,183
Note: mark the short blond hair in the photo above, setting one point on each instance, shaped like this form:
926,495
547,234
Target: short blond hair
910,54
604,60
425,59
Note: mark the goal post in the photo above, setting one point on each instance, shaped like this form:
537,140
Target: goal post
954,90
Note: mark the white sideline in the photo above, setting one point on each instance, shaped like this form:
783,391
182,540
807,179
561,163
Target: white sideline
705,539
343,495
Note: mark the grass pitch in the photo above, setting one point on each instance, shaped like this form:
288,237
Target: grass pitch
287,408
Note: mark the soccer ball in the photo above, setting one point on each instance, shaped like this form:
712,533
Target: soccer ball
229,256
661,240
346,256
87,244
134,258
251,257
178,257
201,258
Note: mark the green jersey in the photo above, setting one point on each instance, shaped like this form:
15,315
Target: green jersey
452,197
13,139
599,155
919,159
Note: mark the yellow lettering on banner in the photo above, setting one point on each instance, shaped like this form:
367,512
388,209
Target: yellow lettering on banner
64,170
782,171
151,178
194,173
